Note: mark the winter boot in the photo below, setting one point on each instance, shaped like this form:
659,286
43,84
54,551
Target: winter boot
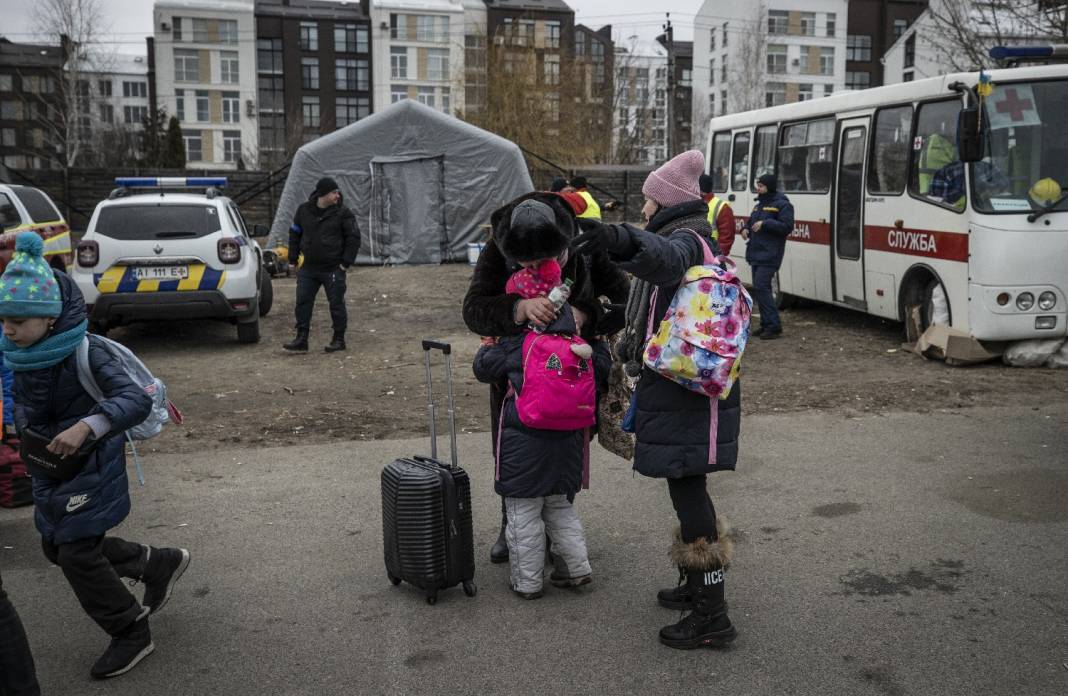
300,343
131,645
163,569
499,552
338,343
704,562
17,674
678,597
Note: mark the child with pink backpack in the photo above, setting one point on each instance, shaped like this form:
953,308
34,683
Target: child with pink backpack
542,457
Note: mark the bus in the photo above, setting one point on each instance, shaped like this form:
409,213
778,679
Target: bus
918,195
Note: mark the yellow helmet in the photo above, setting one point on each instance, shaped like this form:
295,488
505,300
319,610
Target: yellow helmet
1045,192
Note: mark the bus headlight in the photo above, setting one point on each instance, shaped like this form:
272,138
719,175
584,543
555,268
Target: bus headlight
1025,301
1047,301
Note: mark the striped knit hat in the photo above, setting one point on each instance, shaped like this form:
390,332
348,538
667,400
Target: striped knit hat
28,287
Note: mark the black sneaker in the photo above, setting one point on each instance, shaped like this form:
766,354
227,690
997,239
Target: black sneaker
757,332
166,569
560,580
770,335
130,646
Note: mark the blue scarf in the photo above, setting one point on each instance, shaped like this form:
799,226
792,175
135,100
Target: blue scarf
46,352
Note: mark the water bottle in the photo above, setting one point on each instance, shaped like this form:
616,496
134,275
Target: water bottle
558,296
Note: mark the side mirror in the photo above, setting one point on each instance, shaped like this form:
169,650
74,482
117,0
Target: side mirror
969,135
261,231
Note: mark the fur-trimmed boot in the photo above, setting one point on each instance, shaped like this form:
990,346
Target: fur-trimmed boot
678,597
705,562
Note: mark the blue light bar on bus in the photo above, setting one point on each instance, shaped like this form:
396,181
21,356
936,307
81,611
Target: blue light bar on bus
1005,52
176,181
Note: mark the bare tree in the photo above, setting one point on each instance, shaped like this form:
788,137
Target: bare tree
963,31
634,98
747,74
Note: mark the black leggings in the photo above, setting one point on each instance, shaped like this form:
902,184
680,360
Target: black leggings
693,505
17,674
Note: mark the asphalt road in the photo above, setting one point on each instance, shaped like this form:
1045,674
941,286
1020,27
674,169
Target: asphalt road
899,555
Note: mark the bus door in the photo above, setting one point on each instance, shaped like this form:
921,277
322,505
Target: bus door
848,223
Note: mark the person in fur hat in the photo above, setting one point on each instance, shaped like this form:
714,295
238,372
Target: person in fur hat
489,310
672,423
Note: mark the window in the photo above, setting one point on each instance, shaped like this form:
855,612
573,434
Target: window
805,156
309,73
437,63
890,150
186,65
526,32
910,52
203,106
269,56
722,102
804,92
345,73
808,23
848,204
228,62
712,71
776,59
828,89
740,163
858,80
200,30
712,104
231,146
832,23
721,160
179,102
858,47
551,107
271,93
432,28
134,114
907,76
686,79
7,137
309,36
350,38
177,22
103,87
552,34
309,108
712,39
599,70
725,34
231,107
107,113
425,95
552,70
398,62
764,152
397,93
352,109
774,93
723,68
228,31
446,95
936,172
900,27
827,61
580,43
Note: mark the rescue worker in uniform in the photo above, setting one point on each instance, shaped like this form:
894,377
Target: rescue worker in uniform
593,209
720,216
770,223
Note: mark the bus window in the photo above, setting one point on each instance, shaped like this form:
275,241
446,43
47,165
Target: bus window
721,160
806,156
740,162
937,173
764,153
890,151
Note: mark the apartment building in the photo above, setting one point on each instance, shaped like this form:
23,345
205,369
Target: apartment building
476,38
682,108
205,74
874,26
640,134
594,70
419,53
30,85
313,71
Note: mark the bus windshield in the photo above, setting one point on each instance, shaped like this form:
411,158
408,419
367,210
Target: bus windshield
1025,163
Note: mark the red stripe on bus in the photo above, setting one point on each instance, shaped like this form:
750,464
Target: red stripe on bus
807,231
933,244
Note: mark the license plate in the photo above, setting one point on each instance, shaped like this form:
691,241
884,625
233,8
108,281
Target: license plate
160,272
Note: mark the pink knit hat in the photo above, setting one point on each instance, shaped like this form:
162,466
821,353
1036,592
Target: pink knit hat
677,180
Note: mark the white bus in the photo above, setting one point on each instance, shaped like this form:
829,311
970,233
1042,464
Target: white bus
888,217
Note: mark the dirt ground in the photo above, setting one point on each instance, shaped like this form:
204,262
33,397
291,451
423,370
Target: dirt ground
832,360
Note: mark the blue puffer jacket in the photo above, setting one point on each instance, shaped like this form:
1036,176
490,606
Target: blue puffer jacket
534,462
766,247
51,400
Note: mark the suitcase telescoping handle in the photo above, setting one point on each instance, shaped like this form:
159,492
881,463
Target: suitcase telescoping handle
446,350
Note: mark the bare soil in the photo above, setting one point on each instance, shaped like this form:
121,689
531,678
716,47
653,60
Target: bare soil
831,360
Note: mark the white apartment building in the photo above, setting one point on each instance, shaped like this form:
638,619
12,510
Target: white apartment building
418,53
748,55
112,101
206,76
639,133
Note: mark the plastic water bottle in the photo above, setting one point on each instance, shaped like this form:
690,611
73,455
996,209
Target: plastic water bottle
558,296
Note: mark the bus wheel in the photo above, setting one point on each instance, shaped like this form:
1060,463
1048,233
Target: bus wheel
782,300
935,305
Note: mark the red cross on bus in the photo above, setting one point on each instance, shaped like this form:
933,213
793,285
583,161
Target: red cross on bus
1013,105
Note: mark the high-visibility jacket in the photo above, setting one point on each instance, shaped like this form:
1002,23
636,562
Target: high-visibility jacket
715,205
592,209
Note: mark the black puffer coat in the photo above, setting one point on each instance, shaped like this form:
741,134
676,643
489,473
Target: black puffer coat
328,237
51,400
672,422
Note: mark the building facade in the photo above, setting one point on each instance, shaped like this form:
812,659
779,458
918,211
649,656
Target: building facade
205,74
30,86
640,132
476,40
594,76
873,26
118,104
680,137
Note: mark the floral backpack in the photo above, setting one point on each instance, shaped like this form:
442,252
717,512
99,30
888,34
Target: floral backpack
700,340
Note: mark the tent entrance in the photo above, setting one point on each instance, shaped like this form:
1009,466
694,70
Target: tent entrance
408,210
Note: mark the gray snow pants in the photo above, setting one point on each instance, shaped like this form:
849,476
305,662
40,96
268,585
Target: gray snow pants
528,521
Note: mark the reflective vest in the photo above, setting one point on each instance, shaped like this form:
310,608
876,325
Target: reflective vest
592,209
714,207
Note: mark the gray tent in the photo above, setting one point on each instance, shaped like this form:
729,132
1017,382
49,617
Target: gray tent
420,183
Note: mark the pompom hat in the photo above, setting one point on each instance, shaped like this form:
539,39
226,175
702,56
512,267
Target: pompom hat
677,180
28,287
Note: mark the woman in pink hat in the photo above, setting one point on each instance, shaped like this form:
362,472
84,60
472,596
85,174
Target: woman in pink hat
672,423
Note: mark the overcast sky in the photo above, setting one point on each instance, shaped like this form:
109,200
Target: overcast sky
131,20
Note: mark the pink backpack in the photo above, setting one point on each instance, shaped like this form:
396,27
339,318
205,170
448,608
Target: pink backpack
559,391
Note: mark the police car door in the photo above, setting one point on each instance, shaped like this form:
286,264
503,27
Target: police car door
848,224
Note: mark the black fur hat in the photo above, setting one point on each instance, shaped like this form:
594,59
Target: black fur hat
541,229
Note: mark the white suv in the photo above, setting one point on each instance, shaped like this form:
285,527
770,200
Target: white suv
172,255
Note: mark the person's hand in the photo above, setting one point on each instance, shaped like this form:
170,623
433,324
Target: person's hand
537,309
70,440
595,237
757,225
745,234
580,318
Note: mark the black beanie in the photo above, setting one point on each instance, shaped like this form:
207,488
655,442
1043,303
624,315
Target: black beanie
705,182
579,182
324,186
558,184
770,181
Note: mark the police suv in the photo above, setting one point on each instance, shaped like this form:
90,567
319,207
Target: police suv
172,255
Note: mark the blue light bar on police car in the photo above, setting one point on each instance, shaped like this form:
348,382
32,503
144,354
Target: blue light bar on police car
1005,52
174,181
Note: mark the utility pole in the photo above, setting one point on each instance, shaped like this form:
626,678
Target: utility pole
669,35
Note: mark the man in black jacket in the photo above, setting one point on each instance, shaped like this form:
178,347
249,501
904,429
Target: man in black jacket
325,232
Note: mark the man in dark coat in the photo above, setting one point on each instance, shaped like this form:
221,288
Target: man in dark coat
325,232
770,223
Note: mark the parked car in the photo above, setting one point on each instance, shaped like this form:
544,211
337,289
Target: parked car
170,255
27,209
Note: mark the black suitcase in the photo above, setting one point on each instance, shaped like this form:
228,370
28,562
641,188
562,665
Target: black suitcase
426,509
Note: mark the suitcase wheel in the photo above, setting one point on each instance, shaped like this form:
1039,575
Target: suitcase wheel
432,598
469,588
395,581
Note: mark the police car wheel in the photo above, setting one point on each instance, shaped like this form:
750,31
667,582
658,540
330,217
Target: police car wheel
249,331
